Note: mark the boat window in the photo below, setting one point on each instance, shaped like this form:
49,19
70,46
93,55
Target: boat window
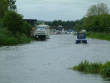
42,28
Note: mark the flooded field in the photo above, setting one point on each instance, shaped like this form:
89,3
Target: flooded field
49,61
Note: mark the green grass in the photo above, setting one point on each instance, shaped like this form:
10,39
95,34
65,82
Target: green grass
102,36
98,68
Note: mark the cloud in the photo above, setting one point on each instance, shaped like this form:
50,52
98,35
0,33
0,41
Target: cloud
55,9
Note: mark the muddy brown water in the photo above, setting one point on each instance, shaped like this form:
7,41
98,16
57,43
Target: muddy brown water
48,61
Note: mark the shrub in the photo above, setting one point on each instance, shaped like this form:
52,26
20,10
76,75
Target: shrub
26,29
7,38
24,39
88,67
13,21
105,69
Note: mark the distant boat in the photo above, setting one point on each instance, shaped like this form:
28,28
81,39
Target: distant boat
60,30
70,31
53,31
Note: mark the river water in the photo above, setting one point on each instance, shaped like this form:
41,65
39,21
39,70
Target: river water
49,61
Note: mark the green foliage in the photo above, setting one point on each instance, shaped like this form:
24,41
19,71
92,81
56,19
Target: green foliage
77,27
97,18
96,23
60,22
13,21
26,29
98,9
7,38
4,7
12,5
88,67
23,38
105,69
103,36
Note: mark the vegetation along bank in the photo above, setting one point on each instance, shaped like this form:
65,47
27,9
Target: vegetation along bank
13,29
98,68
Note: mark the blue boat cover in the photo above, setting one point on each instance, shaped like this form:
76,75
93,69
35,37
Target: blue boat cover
81,35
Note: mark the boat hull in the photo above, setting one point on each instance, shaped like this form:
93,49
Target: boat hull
41,37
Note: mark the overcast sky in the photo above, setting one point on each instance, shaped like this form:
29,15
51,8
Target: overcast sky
50,10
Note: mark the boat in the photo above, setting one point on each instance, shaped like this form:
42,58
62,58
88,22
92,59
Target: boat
53,31
70,31
81,37
60,30
42,32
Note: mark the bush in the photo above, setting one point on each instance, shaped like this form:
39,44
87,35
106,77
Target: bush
105,69
26,29
24,39
103,36
13,21
7,38
88,67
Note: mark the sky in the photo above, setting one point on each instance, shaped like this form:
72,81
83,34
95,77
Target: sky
50,10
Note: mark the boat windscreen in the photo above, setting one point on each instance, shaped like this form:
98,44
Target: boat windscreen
42,27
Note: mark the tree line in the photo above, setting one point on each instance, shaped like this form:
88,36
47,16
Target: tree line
66,24
97,19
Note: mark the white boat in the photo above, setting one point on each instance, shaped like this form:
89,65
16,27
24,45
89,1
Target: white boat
60,30
42,32
53,31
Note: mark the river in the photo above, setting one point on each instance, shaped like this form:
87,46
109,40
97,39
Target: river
49,61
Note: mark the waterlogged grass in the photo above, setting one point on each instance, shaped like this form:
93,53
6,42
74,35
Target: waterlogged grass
103,36
98,68
88,67
7,38
95,35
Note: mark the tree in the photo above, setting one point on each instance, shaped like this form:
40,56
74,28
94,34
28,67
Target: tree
26,29
98,9
4,7
93,20
14,22
105,22
101,23
96,23
77,27
12,5
55,23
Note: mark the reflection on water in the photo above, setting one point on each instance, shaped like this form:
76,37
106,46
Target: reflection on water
48,61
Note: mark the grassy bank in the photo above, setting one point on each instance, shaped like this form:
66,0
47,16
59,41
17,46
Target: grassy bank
98,68
103,36
7,38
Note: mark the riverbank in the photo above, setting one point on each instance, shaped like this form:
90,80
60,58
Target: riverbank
102,36
7,38
98,68
96,35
